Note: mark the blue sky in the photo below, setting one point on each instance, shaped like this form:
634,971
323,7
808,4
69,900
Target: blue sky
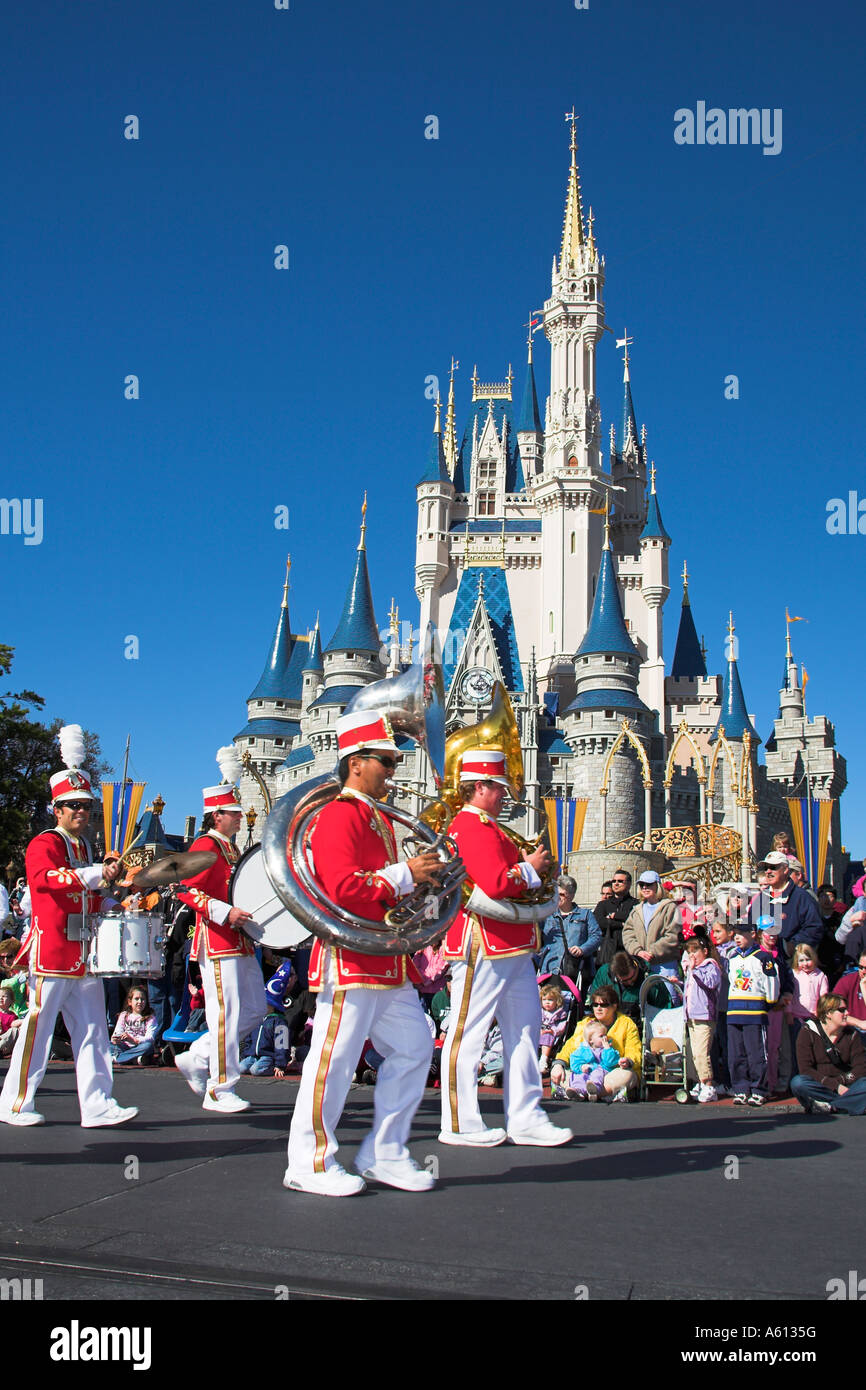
306,387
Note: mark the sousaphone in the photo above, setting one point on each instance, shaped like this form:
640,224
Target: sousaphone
414,705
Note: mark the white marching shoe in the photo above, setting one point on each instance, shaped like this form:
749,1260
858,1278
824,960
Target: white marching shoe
224,1102
195,1077
21,1117
473,1138
403,1173
543,1135
334,1182
113,1114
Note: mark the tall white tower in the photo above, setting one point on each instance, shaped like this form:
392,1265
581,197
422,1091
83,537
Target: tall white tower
567,491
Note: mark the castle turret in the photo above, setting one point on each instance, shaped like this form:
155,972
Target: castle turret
435,498
607,668
655,544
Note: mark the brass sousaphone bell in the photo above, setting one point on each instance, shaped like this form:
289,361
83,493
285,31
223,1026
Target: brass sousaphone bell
414,705
499,730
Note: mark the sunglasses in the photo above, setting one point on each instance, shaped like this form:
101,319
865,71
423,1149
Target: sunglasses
599,1004
388,763
75,805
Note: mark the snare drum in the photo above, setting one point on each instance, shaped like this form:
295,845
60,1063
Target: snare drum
251,889
127,944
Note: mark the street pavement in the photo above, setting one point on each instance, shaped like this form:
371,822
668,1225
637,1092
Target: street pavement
650,1202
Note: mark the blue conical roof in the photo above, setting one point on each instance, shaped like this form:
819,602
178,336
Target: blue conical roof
437,469
734,718
654,529
628,415
314,658
688,657
607,631
272,680
529,417
357,630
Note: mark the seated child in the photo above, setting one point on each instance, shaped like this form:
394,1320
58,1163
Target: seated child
9,1021
554,1016
590,1062
266,1050
134,1036
197,1021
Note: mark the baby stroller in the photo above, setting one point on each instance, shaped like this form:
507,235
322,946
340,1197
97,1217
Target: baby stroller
662,1042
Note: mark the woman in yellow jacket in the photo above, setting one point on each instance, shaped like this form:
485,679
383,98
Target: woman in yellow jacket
622,1034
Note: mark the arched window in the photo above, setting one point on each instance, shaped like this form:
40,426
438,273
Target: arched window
550,621
572,462
573,542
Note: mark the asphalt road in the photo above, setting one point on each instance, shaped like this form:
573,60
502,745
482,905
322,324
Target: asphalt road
649,1202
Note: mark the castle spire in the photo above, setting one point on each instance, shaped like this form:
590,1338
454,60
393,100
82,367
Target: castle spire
654,528
689,659
734,716
629,422
272,684
572,228
607,631
449,443
362,543
357,630
529,420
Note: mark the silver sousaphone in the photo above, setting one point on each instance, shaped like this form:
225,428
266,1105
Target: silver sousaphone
414,704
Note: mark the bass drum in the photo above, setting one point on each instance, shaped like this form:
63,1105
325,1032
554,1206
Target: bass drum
250,889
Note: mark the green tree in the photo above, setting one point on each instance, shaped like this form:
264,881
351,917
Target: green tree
29,754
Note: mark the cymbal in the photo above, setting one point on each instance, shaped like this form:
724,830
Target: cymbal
174,868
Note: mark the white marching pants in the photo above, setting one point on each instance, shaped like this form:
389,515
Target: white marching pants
394,1022
235,1003
82,1003
484,988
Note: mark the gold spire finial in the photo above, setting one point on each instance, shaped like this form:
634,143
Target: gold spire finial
285,603
572,227
652,477
394,616
731,636
437,428
362,543
685,575
606,545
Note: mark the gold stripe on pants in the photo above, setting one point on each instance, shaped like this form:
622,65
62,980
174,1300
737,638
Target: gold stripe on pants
321,1079
459,1028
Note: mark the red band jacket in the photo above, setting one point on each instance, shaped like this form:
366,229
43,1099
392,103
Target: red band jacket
354,853
493,863
59,876
208,893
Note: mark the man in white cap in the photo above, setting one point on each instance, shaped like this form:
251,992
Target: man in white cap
234,990
354,858
64,886
493,974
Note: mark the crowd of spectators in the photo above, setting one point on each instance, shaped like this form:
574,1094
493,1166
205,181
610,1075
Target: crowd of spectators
752,973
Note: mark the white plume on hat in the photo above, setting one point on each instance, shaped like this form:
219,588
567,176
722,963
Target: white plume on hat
230,765
72,749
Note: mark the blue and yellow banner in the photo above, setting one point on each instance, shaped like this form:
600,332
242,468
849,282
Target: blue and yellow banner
565,817
812,854
120,807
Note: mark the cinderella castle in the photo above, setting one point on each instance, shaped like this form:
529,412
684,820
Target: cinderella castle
543,561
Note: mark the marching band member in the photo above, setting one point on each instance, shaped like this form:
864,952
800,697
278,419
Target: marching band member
64,885
492,973
234,990
354,853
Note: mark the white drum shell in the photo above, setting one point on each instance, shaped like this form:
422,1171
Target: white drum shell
127,944
252,890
